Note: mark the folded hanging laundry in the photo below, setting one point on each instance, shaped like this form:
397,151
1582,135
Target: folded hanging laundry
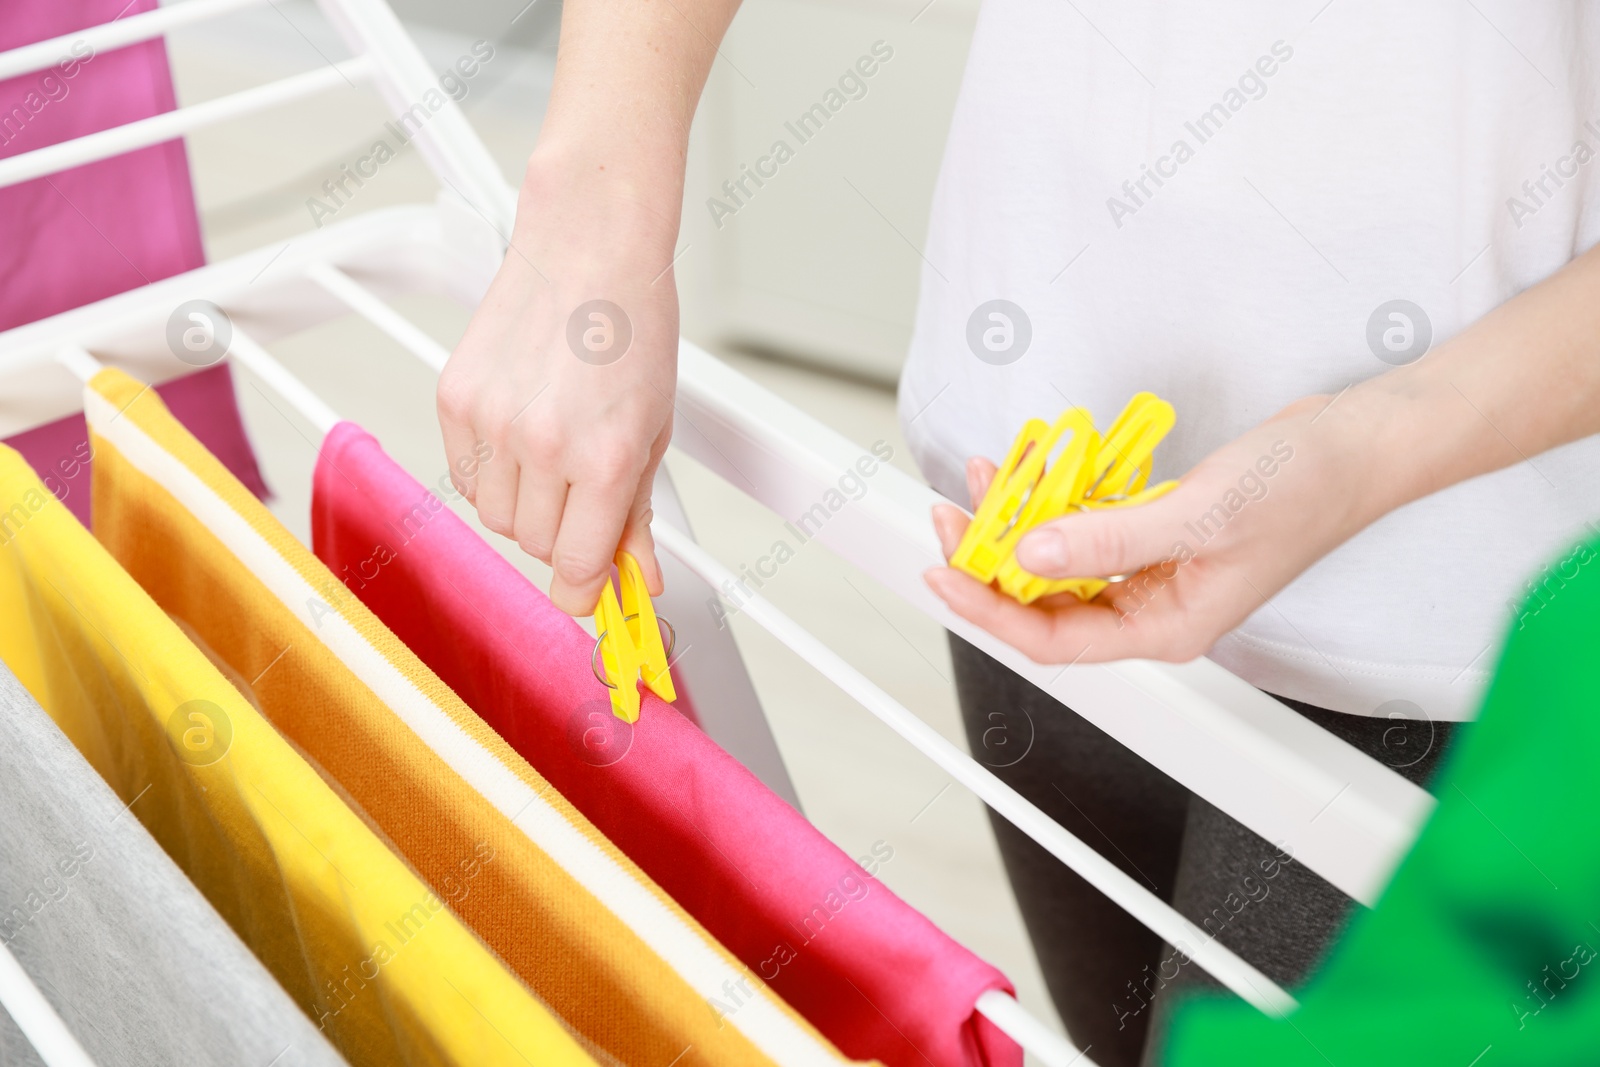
103,228
1487,937
599,942
870,971
364,947
133,959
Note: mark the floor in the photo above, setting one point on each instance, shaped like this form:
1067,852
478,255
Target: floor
857,781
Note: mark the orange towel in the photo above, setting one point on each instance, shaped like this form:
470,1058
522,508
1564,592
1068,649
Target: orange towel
588,931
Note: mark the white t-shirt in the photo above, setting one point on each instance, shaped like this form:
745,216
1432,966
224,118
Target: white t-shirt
1235,205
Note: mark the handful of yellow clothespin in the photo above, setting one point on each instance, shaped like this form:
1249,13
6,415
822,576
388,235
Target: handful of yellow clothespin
1091,472
629,646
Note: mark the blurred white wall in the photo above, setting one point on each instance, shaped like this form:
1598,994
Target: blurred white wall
819,262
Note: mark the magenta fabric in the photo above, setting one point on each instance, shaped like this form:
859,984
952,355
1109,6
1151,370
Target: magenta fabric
94,231
868,970
97,230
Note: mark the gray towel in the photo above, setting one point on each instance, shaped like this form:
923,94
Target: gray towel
138,965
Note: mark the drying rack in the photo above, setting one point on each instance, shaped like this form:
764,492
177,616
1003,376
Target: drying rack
1342,814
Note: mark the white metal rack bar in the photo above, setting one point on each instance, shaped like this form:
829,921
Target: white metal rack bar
362,301
1030,1033
266,287
80,363
371,30
170,124
35,1017
260,362
118,33
448,142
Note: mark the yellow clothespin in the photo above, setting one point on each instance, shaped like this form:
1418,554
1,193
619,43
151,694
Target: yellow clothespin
629,646
1089,473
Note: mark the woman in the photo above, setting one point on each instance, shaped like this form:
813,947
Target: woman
1266,214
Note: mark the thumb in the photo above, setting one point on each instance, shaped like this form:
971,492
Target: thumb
1099,544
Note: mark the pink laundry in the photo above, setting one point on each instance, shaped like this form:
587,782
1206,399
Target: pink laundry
100,229
869,971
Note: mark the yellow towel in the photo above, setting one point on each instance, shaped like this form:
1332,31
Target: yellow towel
359,942
592,935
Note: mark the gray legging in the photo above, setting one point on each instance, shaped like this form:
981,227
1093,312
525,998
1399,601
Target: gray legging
1111,979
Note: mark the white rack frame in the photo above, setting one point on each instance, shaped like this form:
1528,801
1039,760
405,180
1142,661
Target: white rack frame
1339,812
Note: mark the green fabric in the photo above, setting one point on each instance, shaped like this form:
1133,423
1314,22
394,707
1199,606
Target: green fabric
1483,949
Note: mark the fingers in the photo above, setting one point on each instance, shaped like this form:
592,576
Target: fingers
1103,543
980,475
638,542
1061,635
1064,630
949,522
460,448
591,529
496,498
540,499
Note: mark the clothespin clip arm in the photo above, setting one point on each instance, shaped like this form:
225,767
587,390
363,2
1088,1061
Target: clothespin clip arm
629,646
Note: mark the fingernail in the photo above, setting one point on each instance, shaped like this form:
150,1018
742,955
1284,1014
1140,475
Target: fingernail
1043,552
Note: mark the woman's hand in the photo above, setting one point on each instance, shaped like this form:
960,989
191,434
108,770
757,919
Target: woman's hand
1199,560
565,378
1260,510
567,373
